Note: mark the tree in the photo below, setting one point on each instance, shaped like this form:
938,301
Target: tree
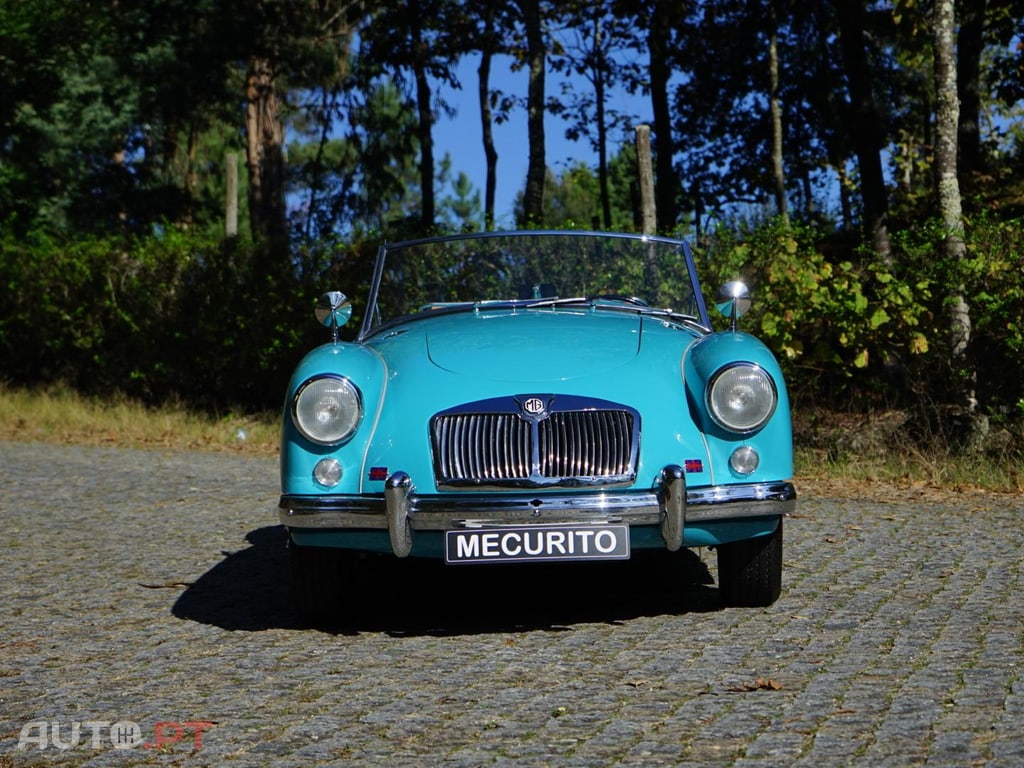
534,57
573,197
383,154
461,209
488,45
659,35
947,119
420,39
103,113
990,78
1004,31
288,46
663,15
970,48
590,41
868,134
740,104
778,168
264,145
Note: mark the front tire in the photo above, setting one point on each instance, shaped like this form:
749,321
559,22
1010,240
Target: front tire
750,571
320,578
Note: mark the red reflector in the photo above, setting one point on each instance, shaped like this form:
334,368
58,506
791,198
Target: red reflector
694,465
378,473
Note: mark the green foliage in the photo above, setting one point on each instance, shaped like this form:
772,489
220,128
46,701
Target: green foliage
171,315
843,322
183,315
818,313
461,211
993,278
572,199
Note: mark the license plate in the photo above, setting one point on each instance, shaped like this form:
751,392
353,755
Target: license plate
537,542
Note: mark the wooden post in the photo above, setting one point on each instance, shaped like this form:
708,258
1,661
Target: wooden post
645,172
231,196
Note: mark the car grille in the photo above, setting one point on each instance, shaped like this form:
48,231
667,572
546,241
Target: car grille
568,447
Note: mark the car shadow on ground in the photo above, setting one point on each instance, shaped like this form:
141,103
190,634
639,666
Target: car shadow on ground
249,590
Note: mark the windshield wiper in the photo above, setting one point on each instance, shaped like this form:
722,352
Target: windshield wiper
552,302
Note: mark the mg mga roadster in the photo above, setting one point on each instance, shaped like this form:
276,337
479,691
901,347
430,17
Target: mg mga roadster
525,397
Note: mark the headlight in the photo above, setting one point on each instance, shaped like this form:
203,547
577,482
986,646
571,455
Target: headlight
741,397
327,410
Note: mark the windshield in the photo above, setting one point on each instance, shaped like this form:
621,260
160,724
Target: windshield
520,269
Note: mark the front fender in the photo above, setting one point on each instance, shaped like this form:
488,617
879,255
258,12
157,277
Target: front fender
368,371
774,441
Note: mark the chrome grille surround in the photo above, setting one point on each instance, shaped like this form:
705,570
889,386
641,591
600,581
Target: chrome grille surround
535,441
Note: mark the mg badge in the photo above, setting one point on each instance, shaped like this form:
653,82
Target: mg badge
533,406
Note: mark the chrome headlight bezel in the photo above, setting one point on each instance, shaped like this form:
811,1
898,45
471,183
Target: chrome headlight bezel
327,409
753,391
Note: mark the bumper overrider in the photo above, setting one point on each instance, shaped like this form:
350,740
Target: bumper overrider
403,512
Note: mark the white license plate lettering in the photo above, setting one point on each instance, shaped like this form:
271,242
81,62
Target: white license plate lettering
537,542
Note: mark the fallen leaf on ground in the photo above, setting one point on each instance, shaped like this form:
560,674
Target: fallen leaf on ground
760,684
168,585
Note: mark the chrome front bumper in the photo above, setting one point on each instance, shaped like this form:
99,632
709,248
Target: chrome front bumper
403,512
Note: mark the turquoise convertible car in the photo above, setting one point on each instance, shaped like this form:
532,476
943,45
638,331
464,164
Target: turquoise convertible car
531,397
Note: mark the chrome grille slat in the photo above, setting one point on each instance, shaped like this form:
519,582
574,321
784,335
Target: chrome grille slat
590,446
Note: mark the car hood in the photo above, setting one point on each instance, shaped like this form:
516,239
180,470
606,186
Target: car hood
532,345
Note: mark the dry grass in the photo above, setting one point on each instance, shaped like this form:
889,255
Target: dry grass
870,455
60,415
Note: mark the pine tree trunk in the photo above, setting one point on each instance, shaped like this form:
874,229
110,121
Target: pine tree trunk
533,201
600,73
970,48
487,123
666,186
778,171
425,124
867,136
265,155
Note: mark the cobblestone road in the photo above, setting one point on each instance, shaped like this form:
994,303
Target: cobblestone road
144,598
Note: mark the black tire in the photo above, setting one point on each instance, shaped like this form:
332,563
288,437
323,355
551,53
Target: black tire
750,571
321,577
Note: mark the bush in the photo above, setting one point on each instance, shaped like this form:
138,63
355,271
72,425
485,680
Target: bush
221,325
171,315
838,319
848,325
